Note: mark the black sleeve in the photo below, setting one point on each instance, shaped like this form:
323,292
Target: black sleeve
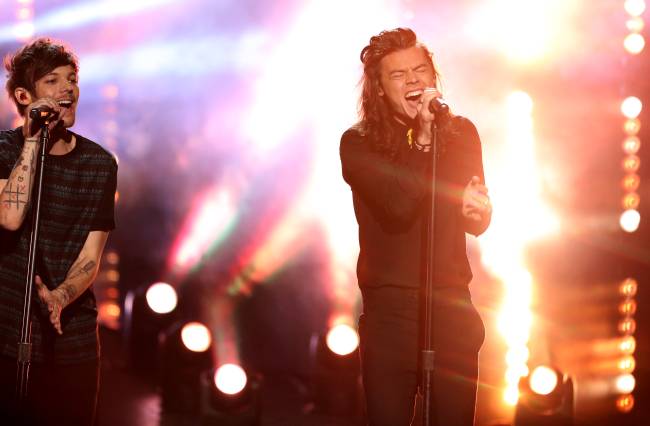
472,165
473,155
395,188
105,218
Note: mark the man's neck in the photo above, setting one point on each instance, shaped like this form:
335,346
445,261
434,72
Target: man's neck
404,121
61,142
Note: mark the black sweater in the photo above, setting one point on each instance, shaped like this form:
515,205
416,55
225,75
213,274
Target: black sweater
391,199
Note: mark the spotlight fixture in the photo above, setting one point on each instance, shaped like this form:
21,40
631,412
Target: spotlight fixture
545,399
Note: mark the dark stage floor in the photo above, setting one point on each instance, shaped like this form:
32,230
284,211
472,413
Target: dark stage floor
128,400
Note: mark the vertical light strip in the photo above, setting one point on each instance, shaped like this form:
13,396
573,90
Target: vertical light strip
631,108
24,28
503,245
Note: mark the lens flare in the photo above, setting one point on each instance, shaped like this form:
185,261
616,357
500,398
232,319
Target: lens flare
631,163
634,43
631,201
625,403
625,383
630,220
230,379
629,287
196,337
543,380
161,298
634,7
631,182
627,364
342,339
627,345
631,107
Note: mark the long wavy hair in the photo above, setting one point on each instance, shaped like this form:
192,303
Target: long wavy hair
375,114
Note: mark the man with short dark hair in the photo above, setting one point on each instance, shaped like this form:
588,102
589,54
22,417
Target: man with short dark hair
79,184
386,159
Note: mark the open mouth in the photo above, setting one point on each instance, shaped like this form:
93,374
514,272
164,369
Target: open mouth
413,95
65,103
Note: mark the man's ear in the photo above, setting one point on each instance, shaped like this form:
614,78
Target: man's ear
23,96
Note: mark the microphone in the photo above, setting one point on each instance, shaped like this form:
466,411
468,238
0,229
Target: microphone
439,106
43,112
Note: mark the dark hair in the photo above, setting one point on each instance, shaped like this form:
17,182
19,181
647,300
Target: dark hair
374,111
32,62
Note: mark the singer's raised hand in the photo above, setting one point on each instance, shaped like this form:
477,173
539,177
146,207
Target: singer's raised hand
476,203
29,129
424,116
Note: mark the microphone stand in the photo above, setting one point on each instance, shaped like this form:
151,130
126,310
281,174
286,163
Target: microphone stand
25,343
428,352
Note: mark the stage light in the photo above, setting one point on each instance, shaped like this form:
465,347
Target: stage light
625,383
631,127
342,339
625,403
627,308
629,287
545,398
631,201
631,163
148,310
230,379
631,182
635,24
543,380
161,298
336,378
196,337
634,43
627,326
634,7
631,107
627,345
181,368
229,397
630,220
517,355
24,13
631,145
626,364
511,396
24,30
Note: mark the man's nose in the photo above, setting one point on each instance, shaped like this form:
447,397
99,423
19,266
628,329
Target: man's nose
411,76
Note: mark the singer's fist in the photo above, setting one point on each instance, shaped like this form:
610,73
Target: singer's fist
476,203
29,127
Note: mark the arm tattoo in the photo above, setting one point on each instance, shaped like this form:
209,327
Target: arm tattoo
18,196
13,197
69,293
68,290
87,269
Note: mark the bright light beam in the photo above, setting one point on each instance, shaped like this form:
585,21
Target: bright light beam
502,246
83,13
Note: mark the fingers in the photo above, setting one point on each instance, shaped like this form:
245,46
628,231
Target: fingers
55,318
423,105
29,128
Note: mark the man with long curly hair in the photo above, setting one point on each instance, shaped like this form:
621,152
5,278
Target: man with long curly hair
386,159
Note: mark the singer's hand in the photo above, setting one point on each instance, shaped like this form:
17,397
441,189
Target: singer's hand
54,301
29,130
476,203
426,117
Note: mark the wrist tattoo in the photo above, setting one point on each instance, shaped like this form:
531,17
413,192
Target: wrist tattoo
68,293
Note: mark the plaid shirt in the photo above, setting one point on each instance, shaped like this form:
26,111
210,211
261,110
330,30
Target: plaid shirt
78,197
